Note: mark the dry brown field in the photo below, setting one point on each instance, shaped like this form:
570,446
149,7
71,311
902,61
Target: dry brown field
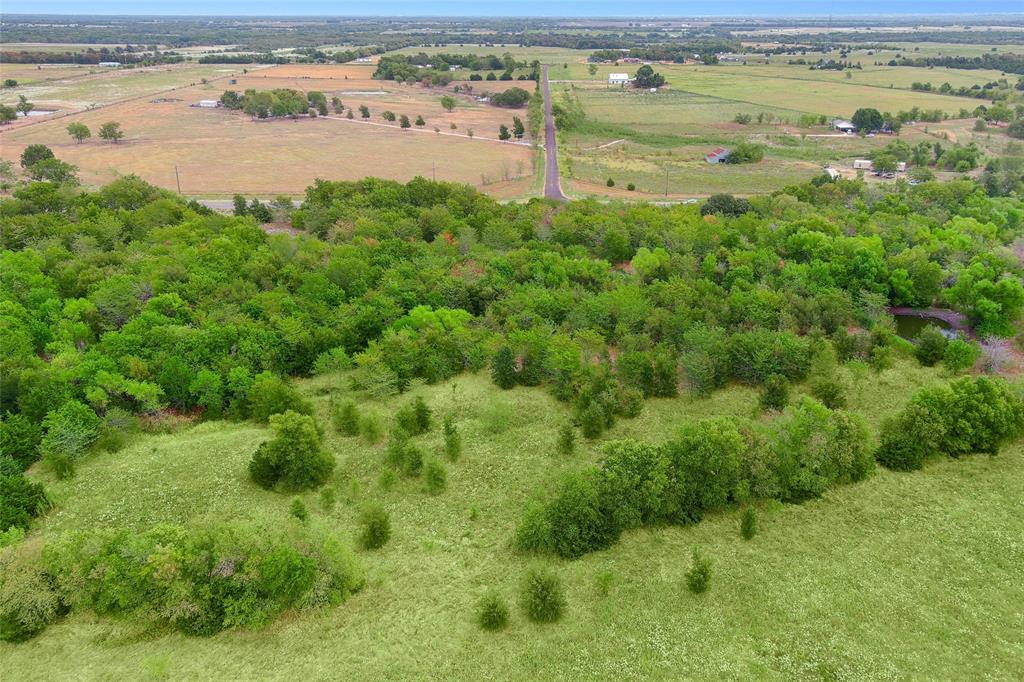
219,152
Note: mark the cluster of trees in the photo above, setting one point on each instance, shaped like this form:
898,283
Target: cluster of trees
129,301
957,157
276,103
198,581
646,77
513,98
678,52
993,90
718,462
517,131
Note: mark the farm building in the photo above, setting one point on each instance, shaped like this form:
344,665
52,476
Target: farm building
109,64
862,164
718,156
630,60
618,78
364,60
208,103
844,126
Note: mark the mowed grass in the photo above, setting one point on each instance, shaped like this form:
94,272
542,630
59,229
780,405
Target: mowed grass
904,576
218,152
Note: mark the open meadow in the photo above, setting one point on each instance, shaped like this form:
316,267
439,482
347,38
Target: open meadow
915,575
219,152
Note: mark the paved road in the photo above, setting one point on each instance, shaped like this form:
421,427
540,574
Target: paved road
552,188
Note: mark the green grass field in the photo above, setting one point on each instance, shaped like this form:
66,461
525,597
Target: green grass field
904,576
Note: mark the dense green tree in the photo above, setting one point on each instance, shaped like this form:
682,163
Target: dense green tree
294,459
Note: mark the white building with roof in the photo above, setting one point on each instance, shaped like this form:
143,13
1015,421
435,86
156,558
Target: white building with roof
618,79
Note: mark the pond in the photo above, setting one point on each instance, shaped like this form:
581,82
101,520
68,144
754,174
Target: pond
909,326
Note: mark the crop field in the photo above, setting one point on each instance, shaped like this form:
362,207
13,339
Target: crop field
218,152
904,575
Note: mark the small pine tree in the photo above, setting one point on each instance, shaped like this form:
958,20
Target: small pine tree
327,498
610,183
492,612
345,417
748,523
298,510
435,476
422,414
566,439
541,596
452,439
698,578
370,428
503,368
376,527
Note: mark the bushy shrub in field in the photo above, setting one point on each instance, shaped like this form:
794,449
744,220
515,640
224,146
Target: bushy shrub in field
435,476
375,526
969,415
698,578
748,523
270,395
452,439
707,457
492,612
370,428
578,516
503,368
830,389
28,600
541,596
931,346
775,395
566,439
201,580
402,454
294,459
345,417
960,355
69,432
756,355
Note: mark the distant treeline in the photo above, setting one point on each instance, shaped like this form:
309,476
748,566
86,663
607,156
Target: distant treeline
958,37
1009,62
244,58
669,53
89,57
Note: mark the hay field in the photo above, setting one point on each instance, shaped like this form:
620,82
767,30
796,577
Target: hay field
219,152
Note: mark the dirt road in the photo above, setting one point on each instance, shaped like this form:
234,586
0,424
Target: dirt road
552,188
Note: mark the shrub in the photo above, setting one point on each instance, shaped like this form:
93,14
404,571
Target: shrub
452,439
298,510
327,498
709,452
931,346
376,527
421,414
579,516
70,430
593,421
28,600
541,596
748,523
404,455
370,428
435,476
566,439
492,612
881,358
345,417
294,459
775,395
503,368
270,395
631,187
830,390
610,182
725,205
698,578
960,355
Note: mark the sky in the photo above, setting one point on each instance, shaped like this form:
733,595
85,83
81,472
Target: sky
523,8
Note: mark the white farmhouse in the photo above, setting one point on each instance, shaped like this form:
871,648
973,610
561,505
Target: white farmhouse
618,79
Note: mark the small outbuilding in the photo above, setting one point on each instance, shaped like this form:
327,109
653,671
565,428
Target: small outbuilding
112,65
208,103
844,126
862,164
618,79
719,155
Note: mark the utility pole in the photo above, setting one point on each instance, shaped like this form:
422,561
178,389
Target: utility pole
176,178
666,181
434,165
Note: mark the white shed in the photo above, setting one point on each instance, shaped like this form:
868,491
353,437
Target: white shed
209,103
618,78
862,164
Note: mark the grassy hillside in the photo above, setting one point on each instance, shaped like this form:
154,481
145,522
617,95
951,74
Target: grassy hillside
905,575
